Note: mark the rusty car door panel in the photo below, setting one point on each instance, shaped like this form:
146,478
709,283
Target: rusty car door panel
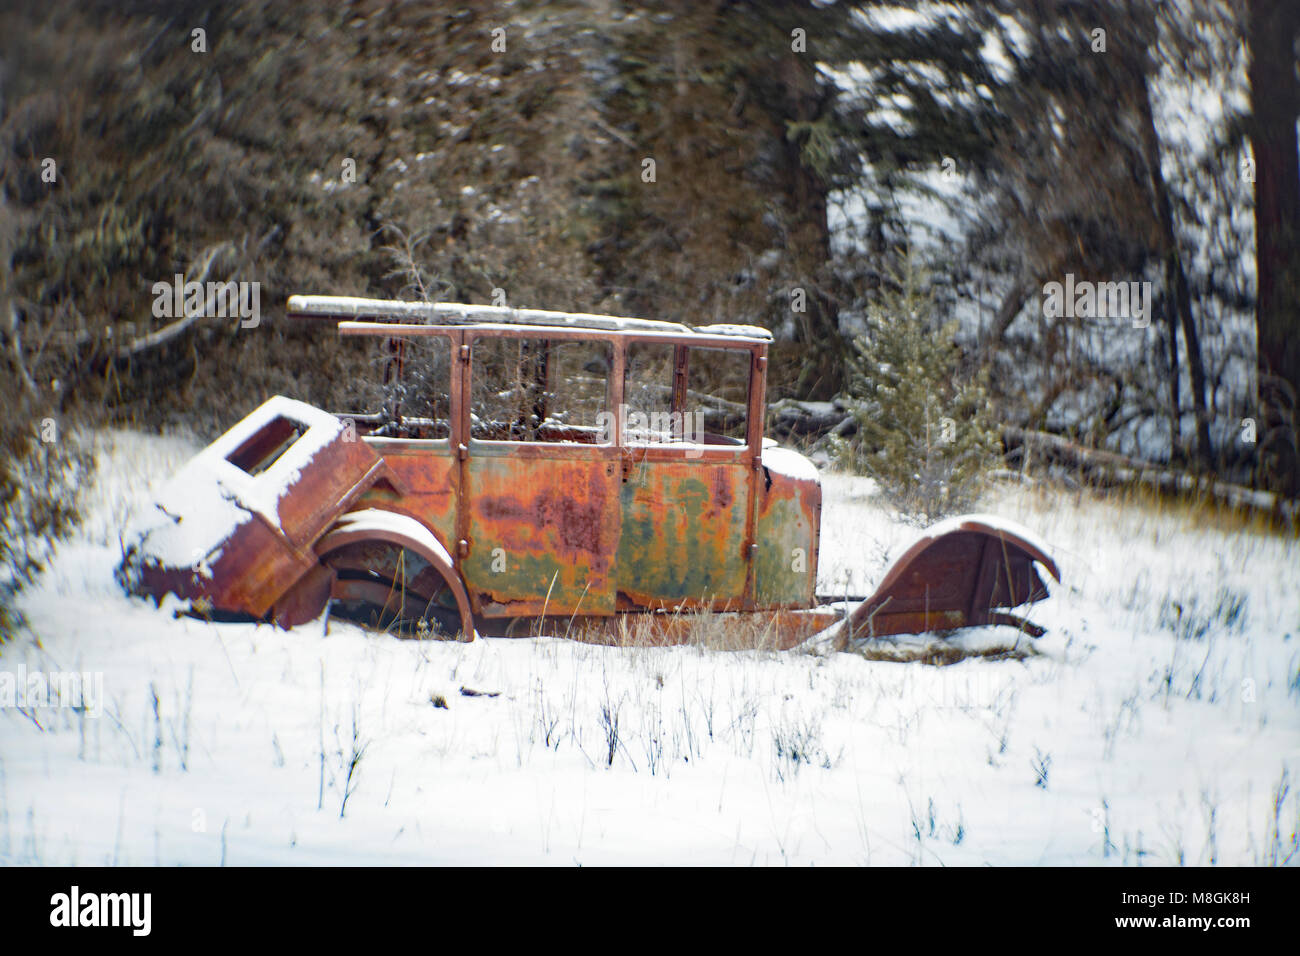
543,528
684,530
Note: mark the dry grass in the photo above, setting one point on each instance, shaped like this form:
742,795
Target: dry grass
715,631
705,630
1199,511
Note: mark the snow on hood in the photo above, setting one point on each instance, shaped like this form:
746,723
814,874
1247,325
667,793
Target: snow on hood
788,462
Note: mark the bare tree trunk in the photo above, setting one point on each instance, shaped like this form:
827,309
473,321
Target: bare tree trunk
1175,275
822,372
1275,102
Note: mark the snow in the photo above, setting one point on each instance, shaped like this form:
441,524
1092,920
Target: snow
788,462
339,305
1152,724
455,312
191,518
749,331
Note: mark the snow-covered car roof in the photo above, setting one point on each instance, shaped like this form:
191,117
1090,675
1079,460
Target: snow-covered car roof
349,308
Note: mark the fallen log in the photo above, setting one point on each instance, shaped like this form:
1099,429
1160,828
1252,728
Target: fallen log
1111,469
809,419
790,417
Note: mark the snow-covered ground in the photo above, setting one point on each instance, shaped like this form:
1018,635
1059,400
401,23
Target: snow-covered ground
1158,722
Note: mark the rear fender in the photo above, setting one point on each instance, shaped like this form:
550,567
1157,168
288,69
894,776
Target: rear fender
389,527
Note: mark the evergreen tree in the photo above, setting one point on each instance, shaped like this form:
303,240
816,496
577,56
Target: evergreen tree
924,433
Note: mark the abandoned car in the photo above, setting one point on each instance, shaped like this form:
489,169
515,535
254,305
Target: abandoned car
507,464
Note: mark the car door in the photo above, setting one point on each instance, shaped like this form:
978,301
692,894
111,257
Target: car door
541,474
686,494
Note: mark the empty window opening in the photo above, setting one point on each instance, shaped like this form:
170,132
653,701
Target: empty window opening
539,390
676,393
396,387
719,388
265,447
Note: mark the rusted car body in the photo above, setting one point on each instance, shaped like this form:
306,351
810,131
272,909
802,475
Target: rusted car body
523,465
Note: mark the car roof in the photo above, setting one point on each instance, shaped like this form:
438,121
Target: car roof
350,309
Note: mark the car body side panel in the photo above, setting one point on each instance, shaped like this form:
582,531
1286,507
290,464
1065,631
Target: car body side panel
429,476
785,565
